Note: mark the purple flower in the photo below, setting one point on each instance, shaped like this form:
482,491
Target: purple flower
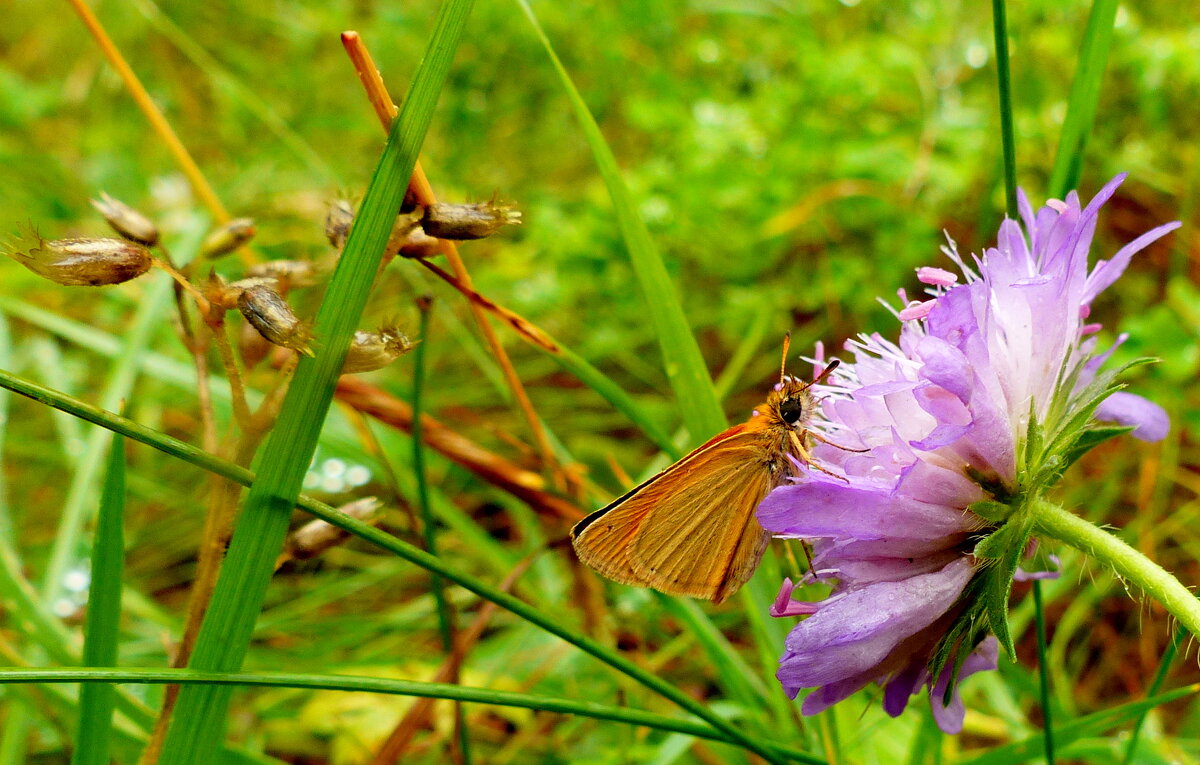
918,431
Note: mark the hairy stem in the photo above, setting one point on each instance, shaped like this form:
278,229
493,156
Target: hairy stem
1055,522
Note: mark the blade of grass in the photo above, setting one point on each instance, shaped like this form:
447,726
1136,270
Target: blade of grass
198,725
1160,676
379,685
1004,88
682,360
1085,95
66,551
428,527
101,632
246,95
532,614
1090,725
1039,612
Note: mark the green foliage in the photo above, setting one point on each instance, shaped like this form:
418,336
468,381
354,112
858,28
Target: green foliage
788,164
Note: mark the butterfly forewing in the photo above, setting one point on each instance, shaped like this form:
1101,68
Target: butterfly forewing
690,530
707,543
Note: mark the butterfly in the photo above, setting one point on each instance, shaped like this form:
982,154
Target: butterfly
691,529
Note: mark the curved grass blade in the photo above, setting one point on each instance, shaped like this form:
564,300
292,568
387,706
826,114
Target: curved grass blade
389,686
445,615
1090,725
199,718
682,360
101,632
1085,95
532,614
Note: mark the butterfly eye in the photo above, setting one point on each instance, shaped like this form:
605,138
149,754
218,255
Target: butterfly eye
791,410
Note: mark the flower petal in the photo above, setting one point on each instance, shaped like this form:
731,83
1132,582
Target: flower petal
1130,409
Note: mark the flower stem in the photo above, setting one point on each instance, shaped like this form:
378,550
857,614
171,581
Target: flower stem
1003,81
1055,522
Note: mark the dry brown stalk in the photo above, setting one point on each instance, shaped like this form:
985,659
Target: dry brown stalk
524,484
422,194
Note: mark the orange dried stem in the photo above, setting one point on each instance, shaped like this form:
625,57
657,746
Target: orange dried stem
420,190
157,121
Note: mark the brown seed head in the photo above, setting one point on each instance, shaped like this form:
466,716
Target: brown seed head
81,262
451,221
270,314
291,274
338,221
126,221
374,350
225,239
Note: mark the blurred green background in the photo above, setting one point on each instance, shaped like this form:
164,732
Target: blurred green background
793,161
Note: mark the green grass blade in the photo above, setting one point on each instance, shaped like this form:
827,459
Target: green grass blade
1039,612
615,395
102,630
532,614
1085,95
199,717
682,360
381,685
1004,85
428,526
1090,725
1160,676
150,318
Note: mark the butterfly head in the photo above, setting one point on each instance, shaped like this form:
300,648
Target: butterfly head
789,404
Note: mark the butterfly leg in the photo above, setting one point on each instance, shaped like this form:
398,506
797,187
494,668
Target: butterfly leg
806,458
825,440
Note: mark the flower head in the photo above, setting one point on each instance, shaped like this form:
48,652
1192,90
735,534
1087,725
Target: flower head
938,440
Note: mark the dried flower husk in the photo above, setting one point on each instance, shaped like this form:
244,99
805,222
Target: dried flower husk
252,346
291,274
374,350
467,221
126,221
315,537
226,238
270,314
338,221
89,262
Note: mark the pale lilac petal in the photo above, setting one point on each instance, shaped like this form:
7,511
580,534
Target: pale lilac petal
1028,576
845,511
939,485
855,632
1150,419
1107,272
949,717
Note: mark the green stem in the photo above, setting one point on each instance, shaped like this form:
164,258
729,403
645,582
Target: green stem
1000,26
1052,521
1043,672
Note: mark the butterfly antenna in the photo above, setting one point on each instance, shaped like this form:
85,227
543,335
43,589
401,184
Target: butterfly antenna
825,372
787,343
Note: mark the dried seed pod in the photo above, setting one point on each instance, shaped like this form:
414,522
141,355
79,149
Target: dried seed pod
291,274
315,537
225,239
82,262
338,221
270,314
449,221
126,221
374,350
252,346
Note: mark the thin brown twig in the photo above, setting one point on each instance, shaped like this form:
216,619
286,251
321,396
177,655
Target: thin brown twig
420,190
524,484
